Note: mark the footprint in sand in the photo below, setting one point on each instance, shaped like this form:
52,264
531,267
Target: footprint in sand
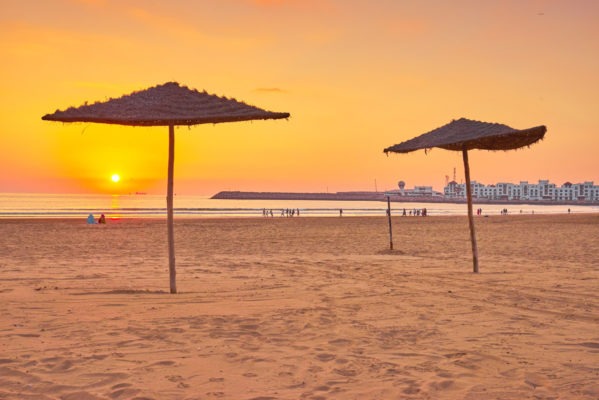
166,363
345,371
100,379
442,385
325,357
264,398
125,393
10,376
411,390
81,395
468,364
120,386
454,355
340,342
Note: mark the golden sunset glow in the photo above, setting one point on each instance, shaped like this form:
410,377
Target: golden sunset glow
356,77
115,178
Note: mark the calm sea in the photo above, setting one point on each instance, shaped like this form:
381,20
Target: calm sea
151,206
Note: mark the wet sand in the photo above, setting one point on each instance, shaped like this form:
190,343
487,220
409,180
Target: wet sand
301,308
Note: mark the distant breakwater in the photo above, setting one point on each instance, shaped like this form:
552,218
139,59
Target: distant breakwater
377,196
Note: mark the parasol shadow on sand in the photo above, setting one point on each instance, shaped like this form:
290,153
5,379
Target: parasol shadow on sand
165,105
465,134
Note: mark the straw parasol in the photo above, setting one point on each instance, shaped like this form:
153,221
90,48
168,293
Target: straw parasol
465,134
165,105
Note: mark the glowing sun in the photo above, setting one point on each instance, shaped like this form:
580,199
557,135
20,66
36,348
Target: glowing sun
115,178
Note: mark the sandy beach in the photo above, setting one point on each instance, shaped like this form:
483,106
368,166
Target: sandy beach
301,308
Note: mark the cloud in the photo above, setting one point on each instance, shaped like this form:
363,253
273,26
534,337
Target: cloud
270,90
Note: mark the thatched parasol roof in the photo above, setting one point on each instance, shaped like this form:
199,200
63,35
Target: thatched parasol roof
468,134
167,104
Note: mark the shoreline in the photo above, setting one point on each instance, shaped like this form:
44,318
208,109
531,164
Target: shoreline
394,216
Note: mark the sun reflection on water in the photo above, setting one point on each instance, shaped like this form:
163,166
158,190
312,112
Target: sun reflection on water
115,207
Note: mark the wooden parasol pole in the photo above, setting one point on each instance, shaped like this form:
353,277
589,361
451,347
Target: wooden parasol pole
169,209
389,215
470,217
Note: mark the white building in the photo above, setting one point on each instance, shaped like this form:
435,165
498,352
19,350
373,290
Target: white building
418,191
524,191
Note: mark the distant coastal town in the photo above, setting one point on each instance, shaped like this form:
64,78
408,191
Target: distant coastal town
542,192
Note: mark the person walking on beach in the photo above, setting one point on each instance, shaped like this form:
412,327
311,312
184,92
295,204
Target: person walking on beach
341,212
298,212
404,213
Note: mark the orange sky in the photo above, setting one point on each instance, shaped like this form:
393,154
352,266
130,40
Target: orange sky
356,76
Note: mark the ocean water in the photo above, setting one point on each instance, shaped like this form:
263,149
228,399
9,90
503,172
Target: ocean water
19,205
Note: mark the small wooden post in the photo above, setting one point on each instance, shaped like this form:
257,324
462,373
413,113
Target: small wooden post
389,215
470,217
169,209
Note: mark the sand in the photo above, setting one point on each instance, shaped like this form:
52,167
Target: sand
301,308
